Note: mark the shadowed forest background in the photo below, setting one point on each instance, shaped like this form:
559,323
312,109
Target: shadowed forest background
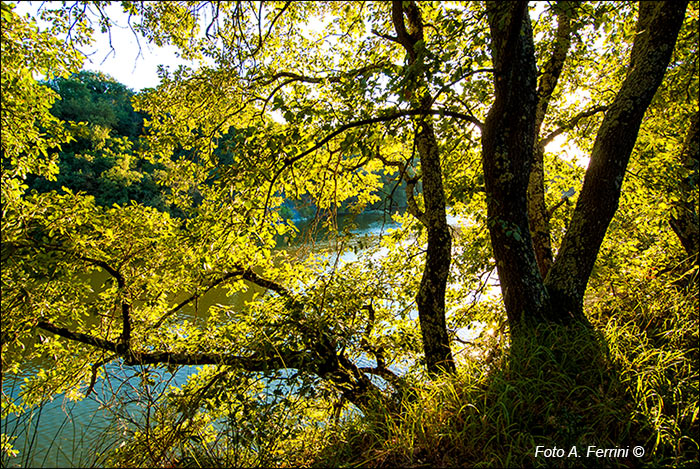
420,234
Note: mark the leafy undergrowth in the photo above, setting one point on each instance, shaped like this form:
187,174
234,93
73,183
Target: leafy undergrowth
633,381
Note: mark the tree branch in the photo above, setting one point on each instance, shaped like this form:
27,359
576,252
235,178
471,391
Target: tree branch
125,337
82,338
573,122
383,118
553,208
413,208
552,69
331,78
388,37
245,274
121,284
95,367
277,360
402,35
378,352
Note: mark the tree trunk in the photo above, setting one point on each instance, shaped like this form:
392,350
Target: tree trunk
431,294
657,30
507,149
537,210
684,219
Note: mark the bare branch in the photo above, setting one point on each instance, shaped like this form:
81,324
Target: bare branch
214,20
552,209
388,37
573,122
451,84
95,367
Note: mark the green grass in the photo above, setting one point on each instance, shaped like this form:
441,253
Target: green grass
631,382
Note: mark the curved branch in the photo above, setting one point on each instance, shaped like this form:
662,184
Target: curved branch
553,208
331,78
121,284
385,118
413,208
95,367
125,337
241,273
378,352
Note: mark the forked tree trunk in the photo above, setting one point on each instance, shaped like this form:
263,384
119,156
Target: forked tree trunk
508,143
507,146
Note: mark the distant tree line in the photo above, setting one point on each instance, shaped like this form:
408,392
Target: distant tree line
105,157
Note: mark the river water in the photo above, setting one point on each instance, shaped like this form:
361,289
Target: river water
65,433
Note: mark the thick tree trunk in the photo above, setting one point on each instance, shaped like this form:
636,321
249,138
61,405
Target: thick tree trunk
657,30
684,219
507,148
431,294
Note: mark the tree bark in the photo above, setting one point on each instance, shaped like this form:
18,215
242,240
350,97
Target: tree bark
657,30
537,210
431,294
508,138
684,219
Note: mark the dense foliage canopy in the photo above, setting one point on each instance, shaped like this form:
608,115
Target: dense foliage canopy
455,111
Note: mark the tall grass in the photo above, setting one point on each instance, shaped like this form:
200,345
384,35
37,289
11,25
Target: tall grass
633,381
